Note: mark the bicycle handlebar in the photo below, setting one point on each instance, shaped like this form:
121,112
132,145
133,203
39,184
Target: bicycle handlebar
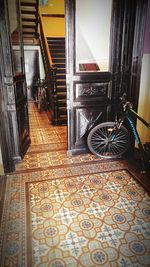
125,104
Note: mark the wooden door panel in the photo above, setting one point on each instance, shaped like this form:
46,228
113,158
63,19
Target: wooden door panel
22,114
91,91
90,100
83,116
23,129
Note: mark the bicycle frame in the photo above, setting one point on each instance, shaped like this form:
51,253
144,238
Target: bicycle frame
119,121
136,135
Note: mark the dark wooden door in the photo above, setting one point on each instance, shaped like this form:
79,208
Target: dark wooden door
20,120
88,87
94,84
15,137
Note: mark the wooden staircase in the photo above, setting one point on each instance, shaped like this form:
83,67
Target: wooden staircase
29,19
57,51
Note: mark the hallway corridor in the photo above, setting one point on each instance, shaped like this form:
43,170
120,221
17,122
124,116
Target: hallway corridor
48,145
71,211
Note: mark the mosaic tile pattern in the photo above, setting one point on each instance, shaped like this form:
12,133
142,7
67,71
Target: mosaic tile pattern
41,129
42,137
53,158
15,231
47,147
93,220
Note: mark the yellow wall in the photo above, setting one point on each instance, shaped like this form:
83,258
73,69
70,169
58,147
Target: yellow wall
144,99
53,26
53,7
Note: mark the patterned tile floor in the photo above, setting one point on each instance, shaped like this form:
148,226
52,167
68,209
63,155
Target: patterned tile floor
48,145
62,211
89,220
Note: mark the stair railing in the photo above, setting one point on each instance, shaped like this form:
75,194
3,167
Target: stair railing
50,71
36,27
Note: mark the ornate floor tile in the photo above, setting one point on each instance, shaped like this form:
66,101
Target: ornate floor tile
53,158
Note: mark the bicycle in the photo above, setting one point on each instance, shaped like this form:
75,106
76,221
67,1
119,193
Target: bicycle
41,95
112,139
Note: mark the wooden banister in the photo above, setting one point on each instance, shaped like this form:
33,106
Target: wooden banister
44,41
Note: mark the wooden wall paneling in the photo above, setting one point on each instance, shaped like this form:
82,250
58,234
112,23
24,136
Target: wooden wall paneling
6,92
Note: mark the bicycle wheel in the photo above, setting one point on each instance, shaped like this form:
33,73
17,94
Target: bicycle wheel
104,141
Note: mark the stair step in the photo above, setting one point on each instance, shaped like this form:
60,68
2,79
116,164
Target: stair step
56,43
53,39
60,76
29,23
59,60
28,36
28,3
28,17
25,19
56,47
57,50
60,65
28,8
61,95
57,55
62,111
56,40
29,31
28,12
60,82
60,70
61,88
61,103
29,26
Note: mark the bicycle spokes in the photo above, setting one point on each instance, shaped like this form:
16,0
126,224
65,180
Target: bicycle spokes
106,141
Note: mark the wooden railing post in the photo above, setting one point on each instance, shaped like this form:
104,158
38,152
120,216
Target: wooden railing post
55,95
37,19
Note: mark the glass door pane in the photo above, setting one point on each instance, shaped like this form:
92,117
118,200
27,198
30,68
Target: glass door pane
92,21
